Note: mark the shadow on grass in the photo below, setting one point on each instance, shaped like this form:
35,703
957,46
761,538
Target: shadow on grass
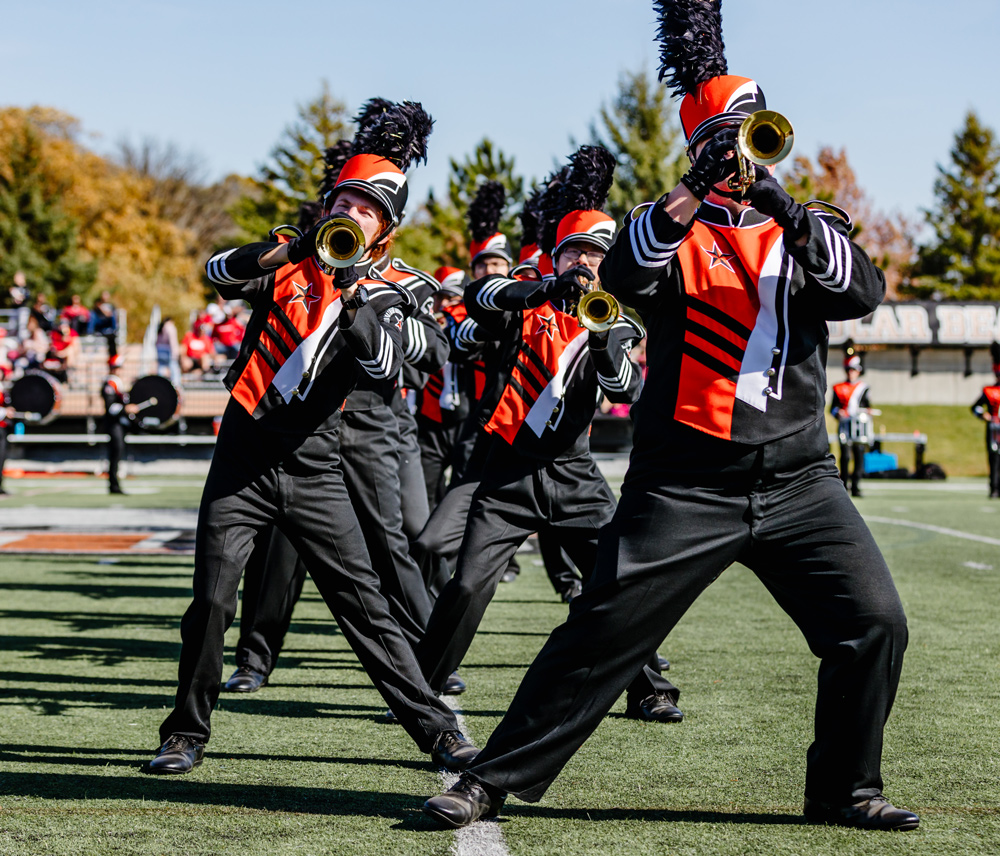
56,702
416,823
72,756
113,570
187,789
83,622
101,591
104,651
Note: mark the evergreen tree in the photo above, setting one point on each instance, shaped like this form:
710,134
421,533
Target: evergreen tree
963,260
37,236
438,233
639,129
295,169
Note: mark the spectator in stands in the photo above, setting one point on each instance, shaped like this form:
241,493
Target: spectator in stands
20,298
34,347
197,350
43,313
104,322
64,349
77,314
168,351
228,334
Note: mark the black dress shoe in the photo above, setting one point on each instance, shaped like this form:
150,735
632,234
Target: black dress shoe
658,707
452,751
454,685
856,493
663,663
117,490
877,813
245,680
180,754
463,803
574,590
508,576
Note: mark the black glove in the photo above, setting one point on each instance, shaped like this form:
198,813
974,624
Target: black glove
768,197
712,165
567,284
301,248
344,278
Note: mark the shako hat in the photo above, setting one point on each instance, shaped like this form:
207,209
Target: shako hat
579,199
693,64
484,215
453,280
394,137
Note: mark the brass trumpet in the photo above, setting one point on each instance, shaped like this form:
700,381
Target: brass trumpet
764,138
340,243
598,311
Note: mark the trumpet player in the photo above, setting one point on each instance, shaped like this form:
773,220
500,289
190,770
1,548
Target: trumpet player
311,337
730,463
538,472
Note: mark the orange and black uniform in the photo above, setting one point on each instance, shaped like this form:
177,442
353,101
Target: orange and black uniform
538,472
987,408
849,400
730,463
4,429
116,422
277,462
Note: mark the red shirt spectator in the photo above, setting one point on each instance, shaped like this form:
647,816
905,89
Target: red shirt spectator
77,314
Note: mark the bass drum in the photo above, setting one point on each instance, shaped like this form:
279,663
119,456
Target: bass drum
158,401
36,396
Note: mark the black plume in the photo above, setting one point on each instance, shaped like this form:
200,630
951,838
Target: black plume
334,159
591,171
691,46
995,353
309,214
530,222
486,209
398,135
371,110
550,210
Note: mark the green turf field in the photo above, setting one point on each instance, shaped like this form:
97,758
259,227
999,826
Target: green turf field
88,662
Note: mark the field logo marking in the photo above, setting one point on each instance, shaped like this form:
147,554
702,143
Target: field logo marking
484,837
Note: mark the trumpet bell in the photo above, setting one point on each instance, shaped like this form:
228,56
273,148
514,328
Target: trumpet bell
340,243
765,137
598,311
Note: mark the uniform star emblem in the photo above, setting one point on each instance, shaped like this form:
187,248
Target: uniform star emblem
719,258
305,296
546,325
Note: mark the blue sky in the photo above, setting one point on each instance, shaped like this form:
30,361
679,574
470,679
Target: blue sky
890,82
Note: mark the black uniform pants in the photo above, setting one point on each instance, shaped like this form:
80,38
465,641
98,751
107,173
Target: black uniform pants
116,450
258,478
273,585
515,498
793,525
4,448
851,476
437,443
412,488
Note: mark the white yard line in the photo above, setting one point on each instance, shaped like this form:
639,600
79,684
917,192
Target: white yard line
929,527
484,837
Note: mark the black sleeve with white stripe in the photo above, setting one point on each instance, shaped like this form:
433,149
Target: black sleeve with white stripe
619,377
237,273
844,283
641,255
376,339
425,346
466,339
496,293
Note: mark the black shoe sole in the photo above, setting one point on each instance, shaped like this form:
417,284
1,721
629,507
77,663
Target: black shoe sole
164,771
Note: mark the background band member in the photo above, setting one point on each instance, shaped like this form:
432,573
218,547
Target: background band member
538,471
730,463
310,337
119,415
987,408
850,402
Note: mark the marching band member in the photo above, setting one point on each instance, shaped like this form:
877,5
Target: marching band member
538,472
119,416
850,401
311,336
987,408
730,463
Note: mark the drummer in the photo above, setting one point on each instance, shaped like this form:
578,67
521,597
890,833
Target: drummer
119,414
852,409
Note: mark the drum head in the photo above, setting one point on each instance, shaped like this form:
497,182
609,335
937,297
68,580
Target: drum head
35,396
158,402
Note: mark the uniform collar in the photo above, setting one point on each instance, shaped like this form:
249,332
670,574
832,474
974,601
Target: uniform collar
716,215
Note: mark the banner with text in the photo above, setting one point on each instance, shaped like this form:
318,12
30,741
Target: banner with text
967,325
